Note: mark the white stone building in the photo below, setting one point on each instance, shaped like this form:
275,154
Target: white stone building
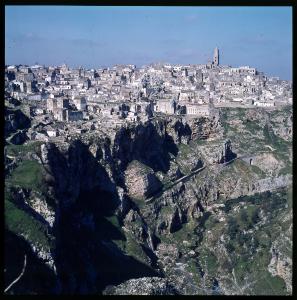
198,110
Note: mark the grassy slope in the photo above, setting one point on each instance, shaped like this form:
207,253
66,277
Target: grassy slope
28,175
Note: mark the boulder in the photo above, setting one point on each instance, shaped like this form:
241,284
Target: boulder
141,181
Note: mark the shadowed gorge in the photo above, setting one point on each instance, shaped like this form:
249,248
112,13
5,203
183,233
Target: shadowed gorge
170,205
84,236
150,144
38,278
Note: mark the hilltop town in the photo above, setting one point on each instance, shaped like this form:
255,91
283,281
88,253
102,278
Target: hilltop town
86,99
164,179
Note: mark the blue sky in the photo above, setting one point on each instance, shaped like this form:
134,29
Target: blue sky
102,36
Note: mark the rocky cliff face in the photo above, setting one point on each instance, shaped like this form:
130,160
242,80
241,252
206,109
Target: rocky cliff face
141,181
169,198
143,286
72,170
150,144
16,120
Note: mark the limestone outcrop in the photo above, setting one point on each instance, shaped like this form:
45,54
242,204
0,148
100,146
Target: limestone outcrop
141,182
143,286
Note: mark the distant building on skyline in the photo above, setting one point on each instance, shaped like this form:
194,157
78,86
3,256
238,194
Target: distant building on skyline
216,56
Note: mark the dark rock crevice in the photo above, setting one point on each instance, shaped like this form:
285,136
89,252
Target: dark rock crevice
15,120
86,195
149,144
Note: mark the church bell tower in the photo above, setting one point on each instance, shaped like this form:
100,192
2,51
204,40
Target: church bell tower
216,56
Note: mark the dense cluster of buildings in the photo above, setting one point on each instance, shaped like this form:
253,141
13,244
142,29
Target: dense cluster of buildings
125,93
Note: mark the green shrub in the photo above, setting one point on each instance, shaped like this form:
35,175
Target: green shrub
232,228
243,216
230,248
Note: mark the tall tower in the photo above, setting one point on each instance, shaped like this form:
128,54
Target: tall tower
216,56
